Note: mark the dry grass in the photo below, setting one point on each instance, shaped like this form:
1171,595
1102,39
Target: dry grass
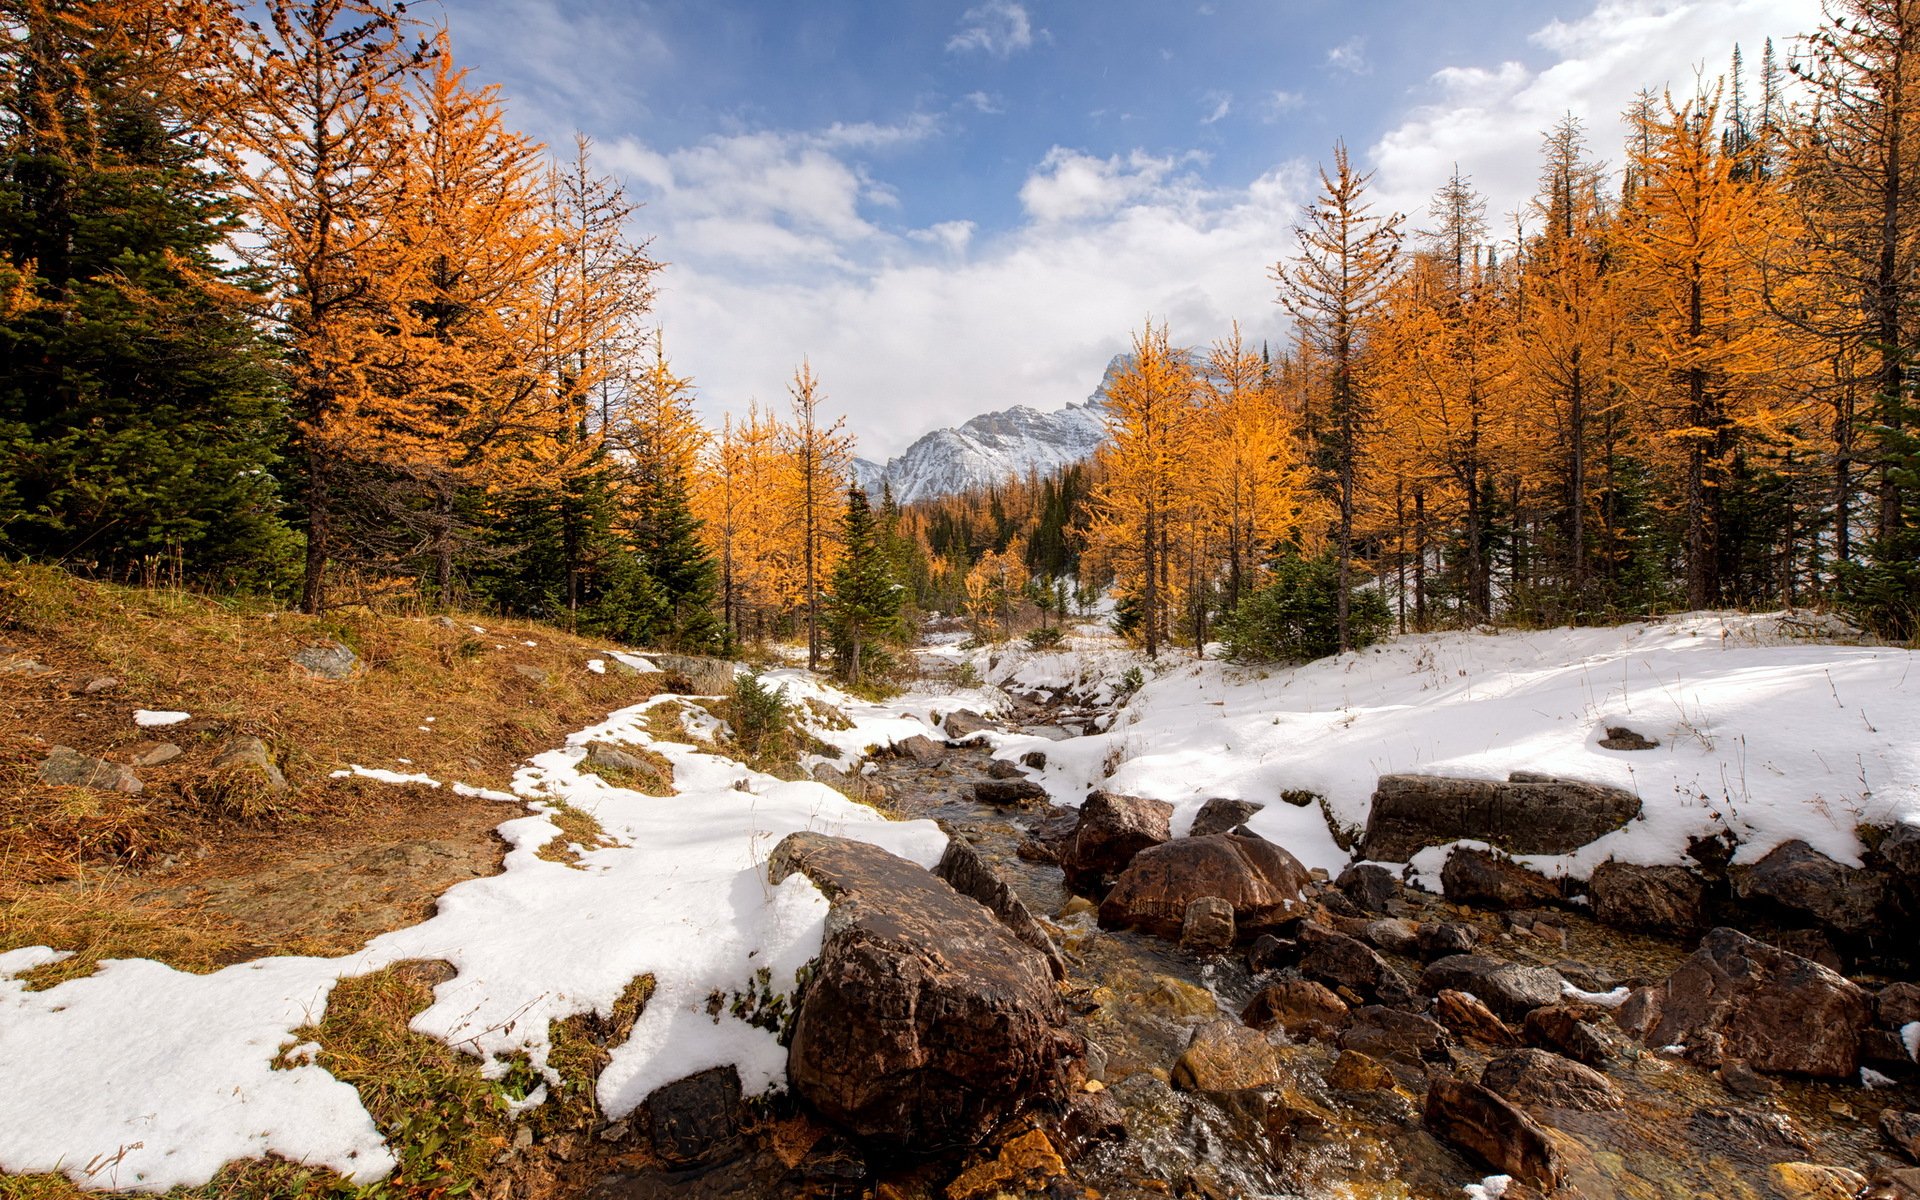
576,829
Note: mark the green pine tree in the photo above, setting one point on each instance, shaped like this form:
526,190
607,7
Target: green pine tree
672,556
864,599
138,414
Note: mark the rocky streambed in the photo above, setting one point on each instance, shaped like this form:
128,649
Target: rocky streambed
1076,1003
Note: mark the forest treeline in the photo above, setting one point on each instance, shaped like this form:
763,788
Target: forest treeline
1684,383
287,305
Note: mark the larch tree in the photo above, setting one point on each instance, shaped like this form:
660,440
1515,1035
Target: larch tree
819,453
1332,288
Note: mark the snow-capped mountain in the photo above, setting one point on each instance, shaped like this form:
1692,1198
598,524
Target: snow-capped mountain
992,447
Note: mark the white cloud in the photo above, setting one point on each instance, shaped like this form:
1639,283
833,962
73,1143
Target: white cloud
1222,105
1071,186
1350,56
997,27
1281,103
981,102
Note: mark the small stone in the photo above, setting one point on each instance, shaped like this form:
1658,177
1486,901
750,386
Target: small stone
1301,1007
1470,1020
152,754
329,659
1392,935
1221,815
1208,926
1001,768
1225,1056
248,755
1036,759
1438,939
1813,1181
1023,1165
1619,737
530,673
1357,1072
1008,792
66,767
99,683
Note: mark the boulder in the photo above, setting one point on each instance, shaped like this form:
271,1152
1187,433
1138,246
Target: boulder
1036,759
1220,815
1391,935
1537,1077
1470,1020
1528,814
1477,1120
1112,829
66,767
696,674
1389,1034
1001,768
609,757
1579,1031
919,748
1779,1012
962,724
1669,900
1301,1007
1898,1004
1816,1181
329,659
1437,939
1270,953
696,1121
1509,989
1340,961
1226,1056
1370,886
927,1021
246,757
1903,1131
1008,792
1208,926
1260,880
1481,880
1800,880
1357,1072
966,872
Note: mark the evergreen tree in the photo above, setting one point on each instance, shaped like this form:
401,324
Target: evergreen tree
863,599
680,570
138,420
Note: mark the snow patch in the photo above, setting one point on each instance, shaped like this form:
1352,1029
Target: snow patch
149,718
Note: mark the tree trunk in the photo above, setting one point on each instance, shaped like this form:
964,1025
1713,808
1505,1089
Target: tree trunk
313,590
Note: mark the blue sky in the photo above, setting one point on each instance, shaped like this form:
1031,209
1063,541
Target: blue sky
951,207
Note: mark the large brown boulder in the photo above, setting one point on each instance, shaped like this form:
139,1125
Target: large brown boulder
1537,1077
1226,1056
1525,814
1776,1011
1510,989
1802,881
1481,880
966,872
1261,881
927,1021
1112,829
1670,900
1493,1130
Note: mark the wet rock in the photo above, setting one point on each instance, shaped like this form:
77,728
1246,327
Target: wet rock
1177,998
1023,1165
1389,1034
1813,1181
1301,1007
1391,935
1113,829
1539,1077
1762,1135
1270,953
1470,1020
66,767
1008,792
1370,886
1743,1081
1669,900
697,674
1798,879
1001,768
696,1121
1208,926
1619,737
1509,989
1090,1118
1476,1120
1036,759
1528,814
1896,1184
1343,962
967,873
1903,1131
1579,1031
1810,944
1357,1072
329,659
927,1021
1480,880
962,724
1898,1004
1260,880
1220,815
1226,1056
920,748
1777,1011
152,754
1438,939
246,758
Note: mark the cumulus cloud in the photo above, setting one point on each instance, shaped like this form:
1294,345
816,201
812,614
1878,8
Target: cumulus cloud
1071,186
1000,28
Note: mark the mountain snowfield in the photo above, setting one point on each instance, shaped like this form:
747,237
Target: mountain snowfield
142,1077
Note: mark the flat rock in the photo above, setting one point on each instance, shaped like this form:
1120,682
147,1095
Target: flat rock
1816,1181
1390,1034
964,723
1391,935
1357,1072
1006,793
66,767
1509,989
966,872
1903,1131
1260,880
920,748
1800,880
329,659
1527,815
1582,1032
1470,1020
1479,1121
1537,1077
1301,1007
1220,815
1481,880
1669,900
1898,1004
1777,1011
1035,759
1112,829
1370,886
152,754
927,1020
1226,1056
1001,768
1619,737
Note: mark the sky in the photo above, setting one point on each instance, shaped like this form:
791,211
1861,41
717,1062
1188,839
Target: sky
954,206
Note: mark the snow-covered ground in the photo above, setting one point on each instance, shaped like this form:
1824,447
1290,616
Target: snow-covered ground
143,1077
1764,733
